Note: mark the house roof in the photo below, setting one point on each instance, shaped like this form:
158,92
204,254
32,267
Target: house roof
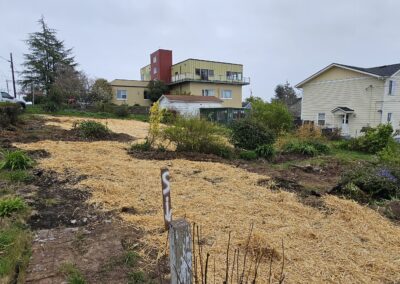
190,98
384,71
343,109
378,72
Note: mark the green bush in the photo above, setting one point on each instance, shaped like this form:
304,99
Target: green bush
307,148
9,113
91,129
266,151
368,181
321,147
121,111
11,205
374,140
15,160
169,116
248,155
249,134
144,146
195,135
390,154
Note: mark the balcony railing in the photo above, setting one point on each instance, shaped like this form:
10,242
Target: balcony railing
214,79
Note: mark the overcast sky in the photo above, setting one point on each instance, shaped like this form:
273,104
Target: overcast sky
276,41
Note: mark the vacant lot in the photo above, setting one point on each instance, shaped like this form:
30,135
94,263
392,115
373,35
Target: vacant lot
339,242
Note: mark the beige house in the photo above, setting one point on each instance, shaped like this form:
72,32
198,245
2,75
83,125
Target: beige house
194,77
130,92
350,98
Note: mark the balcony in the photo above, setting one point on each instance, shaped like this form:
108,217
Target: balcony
221,79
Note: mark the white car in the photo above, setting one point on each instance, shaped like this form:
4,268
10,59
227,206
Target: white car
5,97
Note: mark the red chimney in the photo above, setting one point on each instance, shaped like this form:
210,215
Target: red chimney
160,65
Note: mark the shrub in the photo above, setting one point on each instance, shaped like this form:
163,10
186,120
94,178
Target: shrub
321,147
297,147
368,181
390,154
374,140
248,155
11,205
308,131
266,151
249,134
196,135
50,106
9,113
144,146
156,115
15,160
91,129
274,116
121,111
169,116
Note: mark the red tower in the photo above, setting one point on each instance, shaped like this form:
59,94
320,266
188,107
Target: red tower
160,65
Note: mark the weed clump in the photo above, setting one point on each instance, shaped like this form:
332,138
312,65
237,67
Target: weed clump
248,155
89,129
15,160
266,151
11,205
72,274
306,148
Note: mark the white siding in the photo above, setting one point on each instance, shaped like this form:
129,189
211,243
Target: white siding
391,103
188,108
363,94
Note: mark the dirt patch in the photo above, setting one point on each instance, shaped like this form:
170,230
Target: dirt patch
37,129
172,155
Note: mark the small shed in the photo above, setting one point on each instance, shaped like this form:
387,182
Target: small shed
188,105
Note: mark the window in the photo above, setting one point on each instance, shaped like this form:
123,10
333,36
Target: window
211,73
154,59
6,96
389,117
146,95
233,75
391,87
154,70
226,94
208,93
197,72
321,119
121,94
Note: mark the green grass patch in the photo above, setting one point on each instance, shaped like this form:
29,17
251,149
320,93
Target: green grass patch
16,176
348,156
15,160
72,274
14,251
37,109
10,205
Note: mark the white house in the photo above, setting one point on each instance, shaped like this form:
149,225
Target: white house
350,98
189,105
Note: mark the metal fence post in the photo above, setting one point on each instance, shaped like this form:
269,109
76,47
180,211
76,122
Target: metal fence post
180,252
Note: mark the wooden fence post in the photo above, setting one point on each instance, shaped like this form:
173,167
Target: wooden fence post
180,252
166,197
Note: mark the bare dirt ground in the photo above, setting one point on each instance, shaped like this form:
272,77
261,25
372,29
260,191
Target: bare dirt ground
342,243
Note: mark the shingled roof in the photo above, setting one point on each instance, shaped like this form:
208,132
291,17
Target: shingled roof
384,71
380,71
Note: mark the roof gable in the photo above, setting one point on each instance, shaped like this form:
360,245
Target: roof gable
377,72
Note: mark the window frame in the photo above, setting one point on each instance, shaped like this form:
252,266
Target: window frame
203,91
155,70
223,92
321,122
391,88
121,98
389,117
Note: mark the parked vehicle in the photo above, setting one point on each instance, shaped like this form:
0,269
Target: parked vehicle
6,97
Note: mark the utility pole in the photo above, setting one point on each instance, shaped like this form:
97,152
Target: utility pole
13,78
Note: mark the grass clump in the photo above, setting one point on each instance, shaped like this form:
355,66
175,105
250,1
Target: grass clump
91,129
14,251
72,274
248,155
16,176
306,148
15,160
142,147
137,277
266,151
11,205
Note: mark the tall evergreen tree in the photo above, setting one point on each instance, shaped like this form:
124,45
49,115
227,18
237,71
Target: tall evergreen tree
285,94
46,55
